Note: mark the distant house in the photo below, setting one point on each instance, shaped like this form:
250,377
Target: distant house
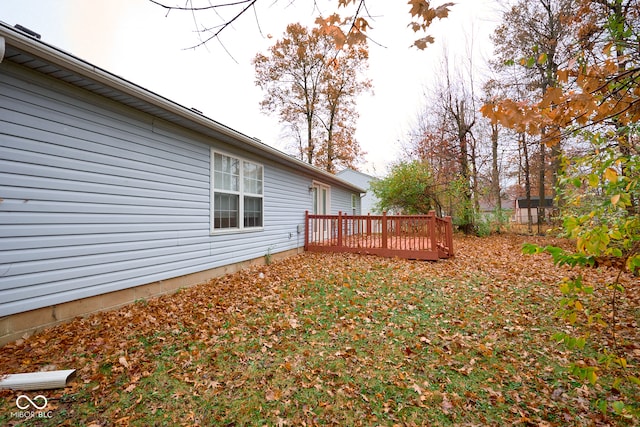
362,180
110,193
521,210
489,206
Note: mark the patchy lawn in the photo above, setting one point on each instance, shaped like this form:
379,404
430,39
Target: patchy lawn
334,340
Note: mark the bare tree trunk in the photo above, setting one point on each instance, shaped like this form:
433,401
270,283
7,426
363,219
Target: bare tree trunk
463,160
474,176
310,145
556,153
495,175
527,181
328,166
541,185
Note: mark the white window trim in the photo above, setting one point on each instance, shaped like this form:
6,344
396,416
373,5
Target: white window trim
241,228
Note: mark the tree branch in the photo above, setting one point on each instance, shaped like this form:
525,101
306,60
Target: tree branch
226,24
194,9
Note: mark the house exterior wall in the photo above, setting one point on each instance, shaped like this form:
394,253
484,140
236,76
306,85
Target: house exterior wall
521,215
96,197
341,201
368,201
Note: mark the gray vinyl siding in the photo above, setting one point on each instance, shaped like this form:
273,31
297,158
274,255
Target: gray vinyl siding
96,197
341,201
368,201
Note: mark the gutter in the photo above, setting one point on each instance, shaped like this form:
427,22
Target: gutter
37,380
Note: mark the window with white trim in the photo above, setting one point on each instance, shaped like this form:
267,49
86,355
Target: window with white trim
237,193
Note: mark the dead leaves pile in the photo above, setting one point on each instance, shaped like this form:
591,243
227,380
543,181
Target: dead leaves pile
334,339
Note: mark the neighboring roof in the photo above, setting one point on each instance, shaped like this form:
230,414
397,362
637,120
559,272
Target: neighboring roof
357,178
21,48
535,202
489,206
349,171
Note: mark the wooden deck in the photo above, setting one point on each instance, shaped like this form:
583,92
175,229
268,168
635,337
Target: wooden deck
422,237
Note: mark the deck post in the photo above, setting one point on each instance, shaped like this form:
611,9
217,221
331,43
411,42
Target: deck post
339,229
369,224
384,230
306,230
432,231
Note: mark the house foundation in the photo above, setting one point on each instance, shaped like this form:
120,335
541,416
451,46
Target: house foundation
24,324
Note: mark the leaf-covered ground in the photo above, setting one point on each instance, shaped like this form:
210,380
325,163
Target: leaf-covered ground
339,339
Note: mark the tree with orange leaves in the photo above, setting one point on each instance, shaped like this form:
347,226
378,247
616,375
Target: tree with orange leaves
312,85
599,86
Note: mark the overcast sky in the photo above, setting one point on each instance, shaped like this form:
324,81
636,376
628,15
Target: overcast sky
138,41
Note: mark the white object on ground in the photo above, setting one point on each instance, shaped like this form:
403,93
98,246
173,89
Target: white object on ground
37,380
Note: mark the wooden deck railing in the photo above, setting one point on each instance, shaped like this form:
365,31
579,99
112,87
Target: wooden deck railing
424,237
